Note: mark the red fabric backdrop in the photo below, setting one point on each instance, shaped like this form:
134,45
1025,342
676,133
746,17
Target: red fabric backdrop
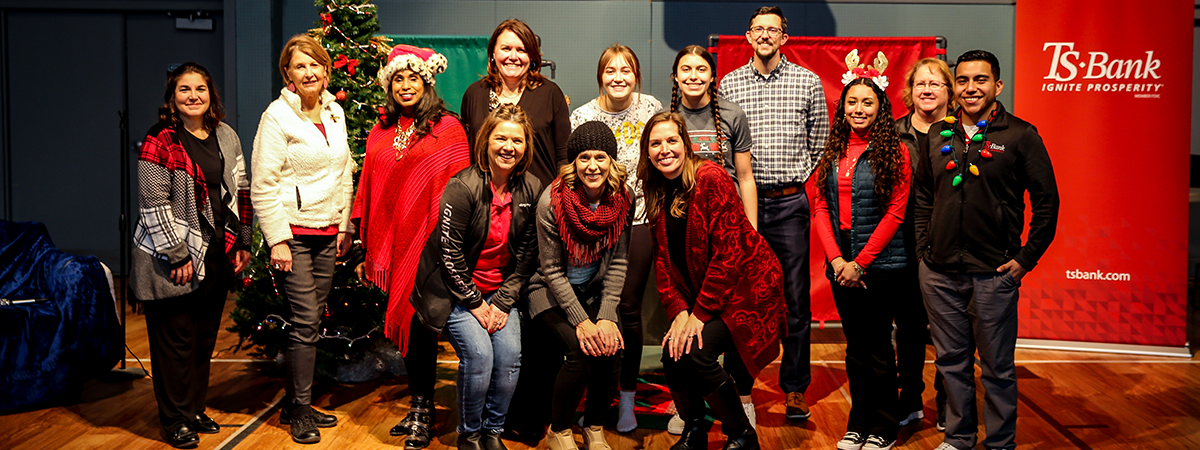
826,56
1117,270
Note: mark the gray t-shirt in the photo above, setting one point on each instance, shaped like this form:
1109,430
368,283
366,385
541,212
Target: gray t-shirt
703,132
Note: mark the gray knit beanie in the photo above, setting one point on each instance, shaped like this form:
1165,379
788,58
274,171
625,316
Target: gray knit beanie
592,135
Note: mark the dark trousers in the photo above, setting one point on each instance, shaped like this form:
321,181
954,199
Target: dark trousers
784,222
596,374
698,374
182,332
968,313
306,288
541,359
421,359
912,335
867,316
641,253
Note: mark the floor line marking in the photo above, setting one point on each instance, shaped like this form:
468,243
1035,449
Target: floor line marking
249,427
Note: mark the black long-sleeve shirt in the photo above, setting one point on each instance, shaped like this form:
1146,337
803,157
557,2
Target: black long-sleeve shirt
976,227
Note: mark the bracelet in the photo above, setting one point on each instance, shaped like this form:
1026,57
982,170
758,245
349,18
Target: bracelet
858,268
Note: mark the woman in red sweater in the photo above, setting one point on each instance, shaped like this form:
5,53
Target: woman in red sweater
718,279
863,181
411,155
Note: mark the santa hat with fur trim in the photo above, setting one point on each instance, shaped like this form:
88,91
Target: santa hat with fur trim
424,61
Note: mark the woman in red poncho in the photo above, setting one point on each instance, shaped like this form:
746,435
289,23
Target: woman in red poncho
718,279
411,154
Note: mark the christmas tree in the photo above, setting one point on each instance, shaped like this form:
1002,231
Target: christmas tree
352,347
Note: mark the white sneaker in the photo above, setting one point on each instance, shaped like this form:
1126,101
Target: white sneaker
749,408
626,420
946,446
675,425
879,443
853,440
915,416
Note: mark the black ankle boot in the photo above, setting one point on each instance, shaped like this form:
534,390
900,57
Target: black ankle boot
417,425
470,441
727,406
694,437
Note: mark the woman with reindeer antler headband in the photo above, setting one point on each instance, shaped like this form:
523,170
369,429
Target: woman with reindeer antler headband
863,183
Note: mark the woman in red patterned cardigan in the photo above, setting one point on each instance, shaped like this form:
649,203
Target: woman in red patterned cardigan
717,277
411,155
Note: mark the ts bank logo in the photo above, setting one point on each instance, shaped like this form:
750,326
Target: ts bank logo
1135,75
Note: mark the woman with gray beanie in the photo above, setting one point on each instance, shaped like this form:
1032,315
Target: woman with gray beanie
583,222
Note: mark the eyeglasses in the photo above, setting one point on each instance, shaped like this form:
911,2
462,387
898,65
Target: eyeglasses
772,31
928,85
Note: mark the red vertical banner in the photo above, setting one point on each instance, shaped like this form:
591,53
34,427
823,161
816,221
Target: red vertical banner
1108,85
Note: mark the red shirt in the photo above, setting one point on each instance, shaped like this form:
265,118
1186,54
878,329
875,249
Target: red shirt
489,271
845,177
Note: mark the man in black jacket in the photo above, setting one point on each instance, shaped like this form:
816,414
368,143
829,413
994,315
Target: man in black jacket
970,186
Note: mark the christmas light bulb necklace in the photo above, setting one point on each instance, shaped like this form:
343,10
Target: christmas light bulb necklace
980,134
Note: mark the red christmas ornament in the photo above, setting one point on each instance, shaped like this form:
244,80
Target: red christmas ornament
246,282
382,111
340,96
327,19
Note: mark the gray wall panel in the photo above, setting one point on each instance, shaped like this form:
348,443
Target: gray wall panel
256,68
65,148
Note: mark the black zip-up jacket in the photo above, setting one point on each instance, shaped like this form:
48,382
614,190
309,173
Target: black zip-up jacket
453,249
975,227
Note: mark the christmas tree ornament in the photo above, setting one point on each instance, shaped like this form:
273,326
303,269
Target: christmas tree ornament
951,165
957,180
974,169
340,96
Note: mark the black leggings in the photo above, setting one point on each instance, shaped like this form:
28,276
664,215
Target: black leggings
421,359
697,373
596,374
641,252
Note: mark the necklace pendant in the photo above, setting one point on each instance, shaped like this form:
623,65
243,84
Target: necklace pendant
985,153
978,137
974,169
957,180
951,165
946,149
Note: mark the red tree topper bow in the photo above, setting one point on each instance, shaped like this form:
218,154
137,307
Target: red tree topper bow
350,64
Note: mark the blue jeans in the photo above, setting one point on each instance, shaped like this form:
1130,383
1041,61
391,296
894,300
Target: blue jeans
488,367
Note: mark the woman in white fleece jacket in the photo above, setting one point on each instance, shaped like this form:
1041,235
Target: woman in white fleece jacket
301,189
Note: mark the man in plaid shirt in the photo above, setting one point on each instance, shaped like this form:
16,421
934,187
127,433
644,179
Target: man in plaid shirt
789,123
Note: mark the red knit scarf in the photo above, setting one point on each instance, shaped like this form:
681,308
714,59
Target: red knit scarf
586,233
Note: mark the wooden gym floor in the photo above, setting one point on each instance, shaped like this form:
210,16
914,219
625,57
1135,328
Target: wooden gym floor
1069,400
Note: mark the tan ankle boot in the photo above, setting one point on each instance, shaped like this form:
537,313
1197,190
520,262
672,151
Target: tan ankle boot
561,440
593,438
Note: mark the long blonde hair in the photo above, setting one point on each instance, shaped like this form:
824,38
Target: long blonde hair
653,181
614,181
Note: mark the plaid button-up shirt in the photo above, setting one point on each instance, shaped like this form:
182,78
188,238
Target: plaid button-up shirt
788,120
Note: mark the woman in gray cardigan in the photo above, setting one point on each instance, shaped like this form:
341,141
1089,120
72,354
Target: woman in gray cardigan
583,222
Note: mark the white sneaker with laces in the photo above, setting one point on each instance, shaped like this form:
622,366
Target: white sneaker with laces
946,446
879,443
853,440
675,425
749,408
917,415
626,420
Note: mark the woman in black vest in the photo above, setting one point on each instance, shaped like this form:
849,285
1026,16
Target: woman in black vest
863,182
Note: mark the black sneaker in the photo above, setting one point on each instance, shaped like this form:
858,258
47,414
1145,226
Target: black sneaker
853,440
304,429
879,443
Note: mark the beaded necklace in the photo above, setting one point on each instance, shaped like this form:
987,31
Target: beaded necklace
403,138
984,152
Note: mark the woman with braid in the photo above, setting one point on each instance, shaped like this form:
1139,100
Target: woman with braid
720,133
719,129
863,182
